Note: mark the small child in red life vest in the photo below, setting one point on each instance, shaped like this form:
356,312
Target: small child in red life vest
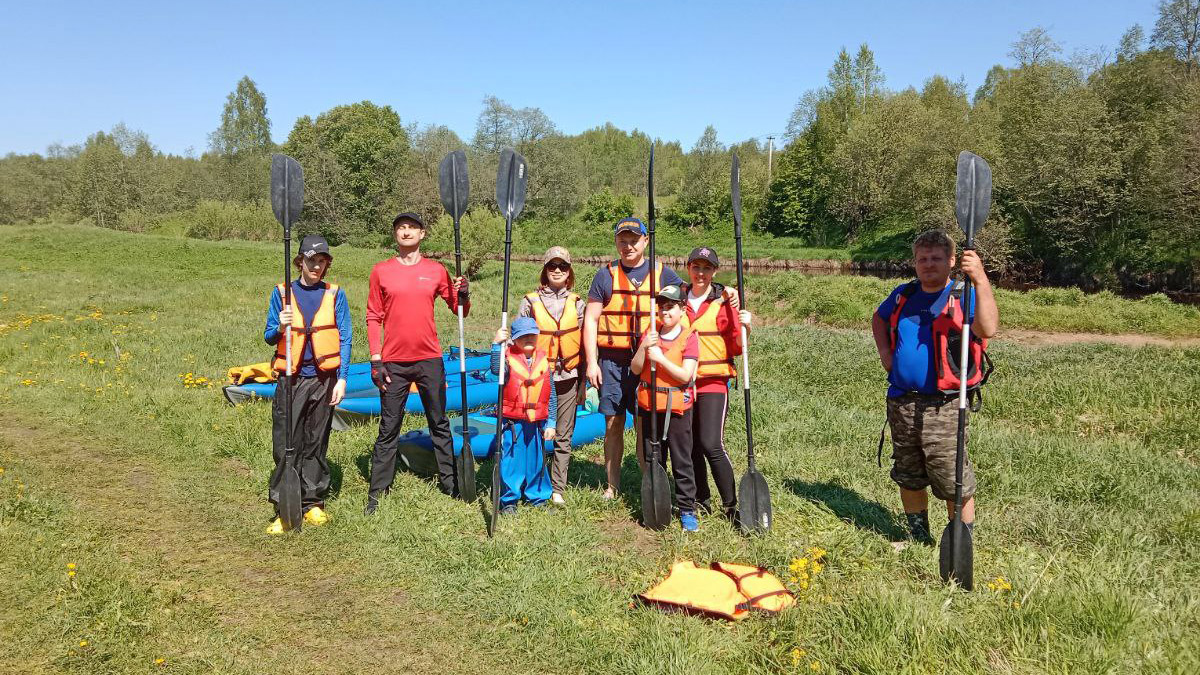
529,409
675,352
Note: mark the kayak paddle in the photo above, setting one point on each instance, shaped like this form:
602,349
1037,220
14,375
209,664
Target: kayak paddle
972,200
287,199
754,498
455,188
511,180
656,500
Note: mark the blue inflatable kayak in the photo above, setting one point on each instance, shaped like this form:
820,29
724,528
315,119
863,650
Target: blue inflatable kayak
481,391
416,448
358,380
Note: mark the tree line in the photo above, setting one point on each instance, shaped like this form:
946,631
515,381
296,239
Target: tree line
1096,162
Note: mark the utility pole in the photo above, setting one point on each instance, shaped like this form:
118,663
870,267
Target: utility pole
770,153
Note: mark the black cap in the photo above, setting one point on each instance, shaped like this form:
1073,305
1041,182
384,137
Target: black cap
314,244
409,216
704,253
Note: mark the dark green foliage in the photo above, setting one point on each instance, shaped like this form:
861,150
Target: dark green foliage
604,208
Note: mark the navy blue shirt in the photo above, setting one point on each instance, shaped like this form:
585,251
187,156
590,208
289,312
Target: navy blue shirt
912,360
307,299
602,284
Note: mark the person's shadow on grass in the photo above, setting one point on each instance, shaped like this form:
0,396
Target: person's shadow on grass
849,505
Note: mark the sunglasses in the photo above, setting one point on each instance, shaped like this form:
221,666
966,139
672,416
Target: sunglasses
558,267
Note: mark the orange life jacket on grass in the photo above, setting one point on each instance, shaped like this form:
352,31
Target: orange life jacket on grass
670,394
715,360
627,313
947,341
726,591
559,338
326,341
526,387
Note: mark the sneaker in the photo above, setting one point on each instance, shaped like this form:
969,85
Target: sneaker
509,510
688,520
557,498
372,504
276,527
316,516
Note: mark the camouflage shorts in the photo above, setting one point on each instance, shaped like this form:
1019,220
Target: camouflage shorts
924,444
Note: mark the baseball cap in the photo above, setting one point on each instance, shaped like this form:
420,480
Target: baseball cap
630,225
314,244
704,253
409,216
524,326
557,252
673,293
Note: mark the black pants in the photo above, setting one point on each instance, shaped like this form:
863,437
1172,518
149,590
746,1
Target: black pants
708,447
311,418
678,445
430,378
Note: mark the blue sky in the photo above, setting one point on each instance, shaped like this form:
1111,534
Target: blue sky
667,68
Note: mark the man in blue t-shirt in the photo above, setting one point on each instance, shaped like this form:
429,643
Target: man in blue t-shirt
609,336
923,420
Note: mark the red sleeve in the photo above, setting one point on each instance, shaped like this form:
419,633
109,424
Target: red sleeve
730,328
691,350
446,291
374,313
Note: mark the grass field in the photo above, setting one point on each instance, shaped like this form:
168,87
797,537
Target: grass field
132,498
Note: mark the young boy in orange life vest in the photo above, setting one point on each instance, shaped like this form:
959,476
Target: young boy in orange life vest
319,319
675,350
529,410
922,403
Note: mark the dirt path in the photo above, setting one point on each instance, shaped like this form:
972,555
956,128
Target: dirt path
281,605
1043,338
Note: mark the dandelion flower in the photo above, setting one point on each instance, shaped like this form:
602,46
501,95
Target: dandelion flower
814,666
160,661
70,566
83,643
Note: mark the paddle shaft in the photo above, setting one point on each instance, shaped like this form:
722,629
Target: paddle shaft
498,480
462,341
287,335
737,241
961,441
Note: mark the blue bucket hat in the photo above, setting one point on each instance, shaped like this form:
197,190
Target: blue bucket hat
524,326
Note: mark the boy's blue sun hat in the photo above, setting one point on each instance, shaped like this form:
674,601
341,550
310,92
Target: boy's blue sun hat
524,326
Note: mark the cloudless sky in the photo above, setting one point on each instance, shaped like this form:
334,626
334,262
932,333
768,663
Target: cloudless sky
666,68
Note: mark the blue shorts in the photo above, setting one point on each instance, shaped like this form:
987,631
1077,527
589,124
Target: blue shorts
618,388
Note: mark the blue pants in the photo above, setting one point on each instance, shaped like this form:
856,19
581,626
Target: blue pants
523,464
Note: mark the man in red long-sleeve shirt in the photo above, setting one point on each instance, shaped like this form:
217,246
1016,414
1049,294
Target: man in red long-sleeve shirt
402,336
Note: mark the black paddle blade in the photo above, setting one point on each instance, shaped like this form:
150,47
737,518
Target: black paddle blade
511,181
972,193
656,496
465,474
454,184
290,510
287,189
650,188
735,194
957,557
754,504
497,487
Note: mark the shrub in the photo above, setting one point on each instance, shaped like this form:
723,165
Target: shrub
213,219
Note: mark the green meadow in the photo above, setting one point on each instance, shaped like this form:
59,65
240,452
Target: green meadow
132,497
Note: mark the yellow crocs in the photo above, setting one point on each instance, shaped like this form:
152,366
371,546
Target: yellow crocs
316,516
276,527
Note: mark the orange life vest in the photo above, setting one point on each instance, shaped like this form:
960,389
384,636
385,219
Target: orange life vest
724,590
627,314
670,393
559,338
526,386
947,341
715,360
326,341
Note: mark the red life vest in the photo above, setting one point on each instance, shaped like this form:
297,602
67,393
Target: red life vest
947,341
326,340
526,386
